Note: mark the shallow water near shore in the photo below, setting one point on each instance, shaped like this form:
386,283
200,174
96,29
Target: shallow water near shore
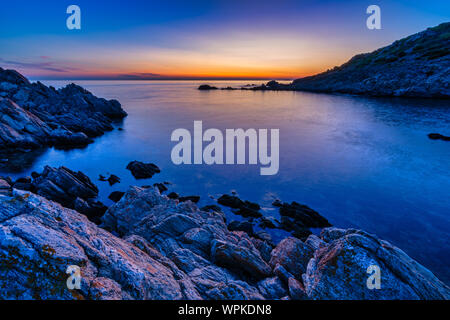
360,162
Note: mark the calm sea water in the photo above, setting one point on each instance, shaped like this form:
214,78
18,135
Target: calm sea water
360,162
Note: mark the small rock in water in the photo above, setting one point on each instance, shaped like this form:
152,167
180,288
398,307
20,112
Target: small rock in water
438,136
142,170
245,226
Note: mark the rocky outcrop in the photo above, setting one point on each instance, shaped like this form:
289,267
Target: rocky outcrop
416,66
298,219
153,247
71,189
438,136
34,115
243,208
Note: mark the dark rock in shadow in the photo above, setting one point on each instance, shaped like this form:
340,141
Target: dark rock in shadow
71,189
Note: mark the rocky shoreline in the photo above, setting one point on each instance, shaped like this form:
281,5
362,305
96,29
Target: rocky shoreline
151,247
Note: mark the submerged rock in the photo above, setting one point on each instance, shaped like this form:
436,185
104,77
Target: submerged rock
243,208
142,170
116,196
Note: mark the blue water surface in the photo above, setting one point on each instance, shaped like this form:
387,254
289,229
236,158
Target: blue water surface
360,162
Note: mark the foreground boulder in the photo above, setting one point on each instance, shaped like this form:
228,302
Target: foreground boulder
153,247
339,270
243,208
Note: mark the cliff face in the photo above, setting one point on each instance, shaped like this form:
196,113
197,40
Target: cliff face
416,66
153,247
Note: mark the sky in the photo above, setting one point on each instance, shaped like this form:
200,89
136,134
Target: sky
213,39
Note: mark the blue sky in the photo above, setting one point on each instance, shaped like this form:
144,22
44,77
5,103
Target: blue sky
226,39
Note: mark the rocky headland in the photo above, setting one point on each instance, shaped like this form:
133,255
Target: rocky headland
417,66
34,116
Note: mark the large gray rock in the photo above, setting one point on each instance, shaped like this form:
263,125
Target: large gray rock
339,270
191,238
293,255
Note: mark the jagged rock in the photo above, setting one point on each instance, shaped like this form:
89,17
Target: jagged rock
339,270
113,179
303,215
438,136
173,195
293,255
230,201
71,189
116,196
239,257
161,187
35,116
44,238
171,226
142,170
